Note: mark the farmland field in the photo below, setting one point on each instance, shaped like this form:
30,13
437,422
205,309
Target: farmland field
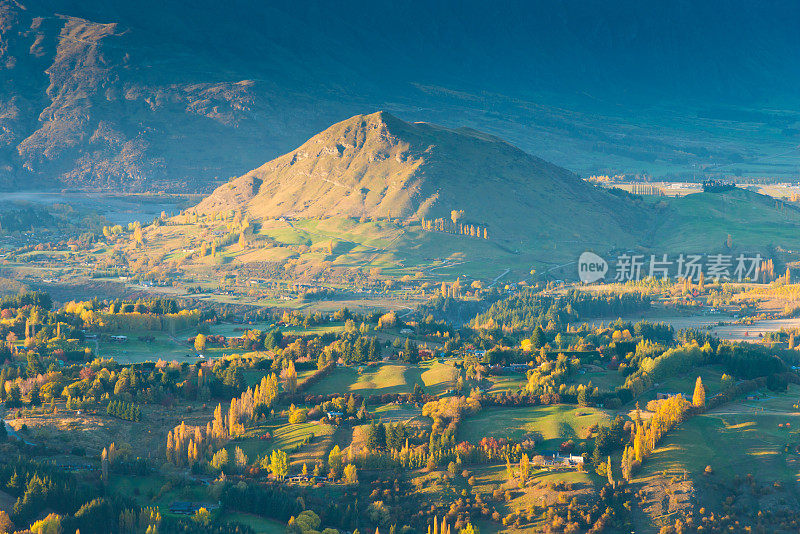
135,351
604,379
510,383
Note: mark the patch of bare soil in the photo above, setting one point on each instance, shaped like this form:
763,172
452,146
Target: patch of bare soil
92,430
663,500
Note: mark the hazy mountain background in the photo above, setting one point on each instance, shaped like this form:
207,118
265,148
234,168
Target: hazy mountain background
181,95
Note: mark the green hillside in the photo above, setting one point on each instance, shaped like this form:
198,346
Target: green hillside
702,222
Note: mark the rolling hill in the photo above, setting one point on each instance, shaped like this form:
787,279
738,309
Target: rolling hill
377,166
703,221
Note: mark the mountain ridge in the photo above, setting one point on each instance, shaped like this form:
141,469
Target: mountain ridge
182,95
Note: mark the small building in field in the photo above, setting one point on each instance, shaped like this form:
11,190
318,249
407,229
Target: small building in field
572,459
182,508
556,458
190,508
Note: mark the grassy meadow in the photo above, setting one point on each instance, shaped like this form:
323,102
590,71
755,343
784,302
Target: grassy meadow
748,436
554,424
382,378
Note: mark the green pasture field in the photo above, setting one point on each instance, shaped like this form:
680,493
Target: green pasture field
317,329
349,233
491,477
389,413
396,250
237,330
260,525
710,374
135,351
555,423
488,476
747,433
164,347
378,379
701,223
510,383
603,379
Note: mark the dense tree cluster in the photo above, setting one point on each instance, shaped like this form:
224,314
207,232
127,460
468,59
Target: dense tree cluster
527,309
124,410
188,445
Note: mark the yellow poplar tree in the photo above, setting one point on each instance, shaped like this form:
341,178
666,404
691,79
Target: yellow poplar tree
638,444
524,467
290,378
699,397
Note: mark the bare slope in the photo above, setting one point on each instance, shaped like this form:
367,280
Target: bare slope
377,166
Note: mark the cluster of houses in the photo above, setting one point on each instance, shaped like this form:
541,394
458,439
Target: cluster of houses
558,459
309,478
520,368
477,353
88,336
